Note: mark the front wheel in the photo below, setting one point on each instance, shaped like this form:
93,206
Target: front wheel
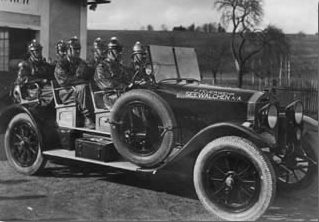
298,171
233,179
22,143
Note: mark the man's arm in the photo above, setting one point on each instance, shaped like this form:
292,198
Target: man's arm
24,73
62,74
83,72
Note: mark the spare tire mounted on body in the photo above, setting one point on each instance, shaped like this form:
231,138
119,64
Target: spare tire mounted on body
143,127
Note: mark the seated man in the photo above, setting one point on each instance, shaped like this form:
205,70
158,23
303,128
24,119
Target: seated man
73,71
110,73
35,68
139,60
61,50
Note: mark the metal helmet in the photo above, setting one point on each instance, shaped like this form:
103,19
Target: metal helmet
138,55
34,45
114,44
138,48
100,48
61,46
74,43
99,44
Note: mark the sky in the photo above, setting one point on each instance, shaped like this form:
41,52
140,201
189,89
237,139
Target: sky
292,16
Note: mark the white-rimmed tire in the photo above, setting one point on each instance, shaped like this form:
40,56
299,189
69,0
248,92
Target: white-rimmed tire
22,144
234,180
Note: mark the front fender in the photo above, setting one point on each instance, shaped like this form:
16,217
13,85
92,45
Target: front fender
208,134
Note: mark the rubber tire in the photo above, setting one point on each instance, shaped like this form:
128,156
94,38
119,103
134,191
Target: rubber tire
261,162
166,114
39,163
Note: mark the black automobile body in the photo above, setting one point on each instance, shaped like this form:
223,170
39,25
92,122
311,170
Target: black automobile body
240,144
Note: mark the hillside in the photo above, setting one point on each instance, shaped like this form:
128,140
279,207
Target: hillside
304,49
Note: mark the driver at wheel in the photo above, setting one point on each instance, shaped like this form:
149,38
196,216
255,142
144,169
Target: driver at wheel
139,65
35,68
72,72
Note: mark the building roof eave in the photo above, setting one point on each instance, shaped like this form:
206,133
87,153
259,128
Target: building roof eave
93,2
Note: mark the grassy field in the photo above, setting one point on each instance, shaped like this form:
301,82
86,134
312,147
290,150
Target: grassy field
304,49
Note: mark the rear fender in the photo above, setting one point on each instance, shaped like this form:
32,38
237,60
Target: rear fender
48,134
9,112
208,134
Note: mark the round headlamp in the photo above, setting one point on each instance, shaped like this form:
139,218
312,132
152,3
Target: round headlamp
298,112
272,116
295,112
269,115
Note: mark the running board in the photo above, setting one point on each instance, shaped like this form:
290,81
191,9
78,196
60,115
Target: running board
82,129
120,164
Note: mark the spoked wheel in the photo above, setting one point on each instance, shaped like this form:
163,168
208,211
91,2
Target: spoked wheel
143,127
233,179
23,146
298,171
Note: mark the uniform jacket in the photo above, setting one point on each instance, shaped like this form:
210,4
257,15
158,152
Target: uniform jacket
70,72
30,69
111,75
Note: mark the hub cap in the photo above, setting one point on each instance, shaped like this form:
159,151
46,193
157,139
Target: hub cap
231,181
24,144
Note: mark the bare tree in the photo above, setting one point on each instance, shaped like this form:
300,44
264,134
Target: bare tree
276,50
243,16
218,55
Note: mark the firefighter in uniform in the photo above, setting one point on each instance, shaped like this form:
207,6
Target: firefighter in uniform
138,57
36,70
72,72
110,73
61,49
139,65
100,50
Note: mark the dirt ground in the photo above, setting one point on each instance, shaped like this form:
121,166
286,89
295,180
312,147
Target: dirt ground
67,194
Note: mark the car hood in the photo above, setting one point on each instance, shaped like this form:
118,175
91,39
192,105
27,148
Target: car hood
204,92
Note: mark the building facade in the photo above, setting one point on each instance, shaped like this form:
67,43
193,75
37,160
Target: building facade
45,20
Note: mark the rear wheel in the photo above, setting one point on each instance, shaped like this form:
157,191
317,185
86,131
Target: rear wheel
23,145
233,179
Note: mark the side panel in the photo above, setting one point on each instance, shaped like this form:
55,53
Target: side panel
199,106
202,138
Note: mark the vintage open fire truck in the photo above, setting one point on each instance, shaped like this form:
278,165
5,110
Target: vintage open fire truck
240,144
